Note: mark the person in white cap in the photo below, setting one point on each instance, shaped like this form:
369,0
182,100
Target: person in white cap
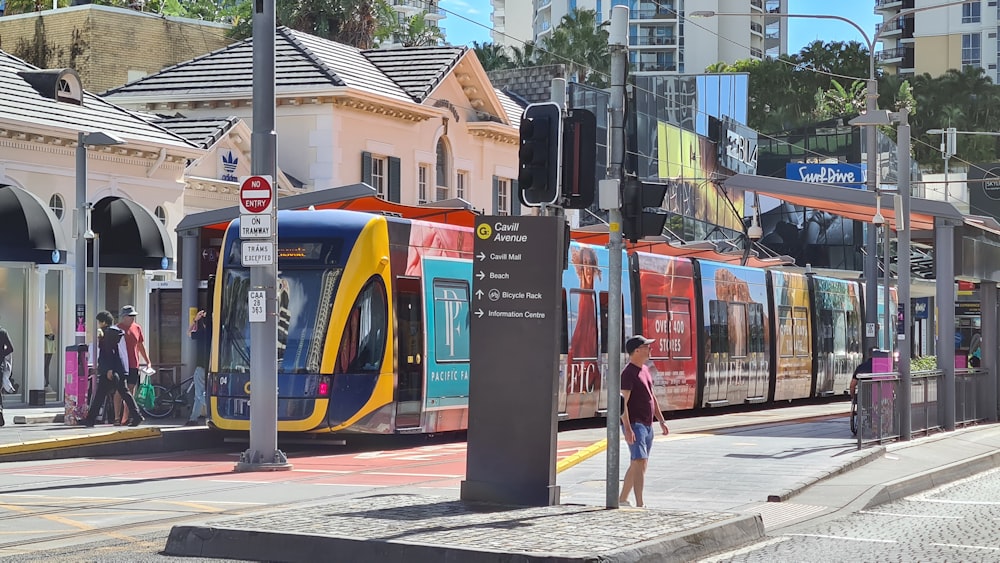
135,345
637,416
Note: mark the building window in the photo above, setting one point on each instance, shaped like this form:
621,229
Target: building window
503,196
971,52
378,175
161,214
442,193
422,174
57,205
460,184
970,12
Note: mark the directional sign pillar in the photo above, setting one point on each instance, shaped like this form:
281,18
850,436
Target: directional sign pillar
514,367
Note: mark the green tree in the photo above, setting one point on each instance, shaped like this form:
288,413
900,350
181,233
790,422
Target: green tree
360,23
582,45
524,57
493,56
414,31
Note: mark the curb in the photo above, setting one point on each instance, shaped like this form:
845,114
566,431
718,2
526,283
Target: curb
53,418
36,446
582,455
870,455
932,478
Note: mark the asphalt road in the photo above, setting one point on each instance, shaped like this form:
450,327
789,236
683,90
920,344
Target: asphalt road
954,522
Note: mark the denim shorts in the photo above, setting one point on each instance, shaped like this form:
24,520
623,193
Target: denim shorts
639,448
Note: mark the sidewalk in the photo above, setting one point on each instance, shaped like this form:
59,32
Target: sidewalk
710,487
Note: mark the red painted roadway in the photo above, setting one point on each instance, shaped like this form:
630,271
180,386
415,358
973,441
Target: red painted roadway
434,466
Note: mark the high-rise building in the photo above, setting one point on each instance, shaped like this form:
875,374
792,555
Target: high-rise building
404,9
938,39
663,38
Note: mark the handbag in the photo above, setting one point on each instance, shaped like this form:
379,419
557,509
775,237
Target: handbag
145,395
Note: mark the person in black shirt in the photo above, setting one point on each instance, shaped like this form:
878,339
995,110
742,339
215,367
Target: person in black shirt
111,358
200,331
863,367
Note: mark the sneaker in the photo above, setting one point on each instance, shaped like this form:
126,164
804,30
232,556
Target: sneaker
136,421
192,423
624,503
86,423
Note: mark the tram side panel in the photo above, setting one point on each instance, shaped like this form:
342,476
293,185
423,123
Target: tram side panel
664,305
735,320
793,350
584,343
837,322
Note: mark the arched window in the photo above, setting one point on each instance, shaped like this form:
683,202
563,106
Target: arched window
57,205
161,214
442,162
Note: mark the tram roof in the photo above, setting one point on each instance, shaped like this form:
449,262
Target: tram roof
354,197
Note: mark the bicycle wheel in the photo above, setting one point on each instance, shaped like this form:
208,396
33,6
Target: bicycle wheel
163,403
854,415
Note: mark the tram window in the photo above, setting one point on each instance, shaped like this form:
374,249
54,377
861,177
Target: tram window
786,331
451,320
758,341
839,333
680,328
718,326
801,315
657,327
739,334
853,332
826,331
362,346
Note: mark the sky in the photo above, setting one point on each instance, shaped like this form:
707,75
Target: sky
469,20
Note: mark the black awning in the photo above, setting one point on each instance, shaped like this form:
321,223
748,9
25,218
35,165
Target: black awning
29,230
130,236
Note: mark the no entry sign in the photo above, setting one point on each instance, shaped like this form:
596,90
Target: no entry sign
255,194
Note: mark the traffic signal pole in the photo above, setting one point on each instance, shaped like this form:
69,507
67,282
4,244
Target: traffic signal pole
618,44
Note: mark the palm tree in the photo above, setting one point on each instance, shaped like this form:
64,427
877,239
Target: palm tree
493,56
523,57
582,45
415,32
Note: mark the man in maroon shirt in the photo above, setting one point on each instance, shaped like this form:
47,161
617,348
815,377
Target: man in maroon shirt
637,416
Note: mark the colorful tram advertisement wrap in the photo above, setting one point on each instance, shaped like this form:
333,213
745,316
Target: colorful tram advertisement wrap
793,347
374,316
737,344
837,345
665,305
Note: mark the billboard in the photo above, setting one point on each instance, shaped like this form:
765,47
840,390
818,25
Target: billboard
984,189
846,175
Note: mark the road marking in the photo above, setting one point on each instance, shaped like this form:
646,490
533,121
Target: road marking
411,474
842,538
897,514
194,505
987,548
66,522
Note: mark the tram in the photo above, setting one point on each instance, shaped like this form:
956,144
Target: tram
374,316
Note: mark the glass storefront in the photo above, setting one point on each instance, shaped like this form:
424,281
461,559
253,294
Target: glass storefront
12,314
53,336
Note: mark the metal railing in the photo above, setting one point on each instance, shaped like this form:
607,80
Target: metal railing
876,416
876,419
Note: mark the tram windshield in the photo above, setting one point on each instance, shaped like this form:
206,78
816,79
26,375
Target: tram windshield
305,299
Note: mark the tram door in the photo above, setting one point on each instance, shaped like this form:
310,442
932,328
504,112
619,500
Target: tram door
410,346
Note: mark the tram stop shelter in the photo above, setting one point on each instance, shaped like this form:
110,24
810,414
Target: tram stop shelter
964,247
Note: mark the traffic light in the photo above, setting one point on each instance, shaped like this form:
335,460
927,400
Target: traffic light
637,222
579,161
540,154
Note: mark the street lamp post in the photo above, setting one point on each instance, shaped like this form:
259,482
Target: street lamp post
83,232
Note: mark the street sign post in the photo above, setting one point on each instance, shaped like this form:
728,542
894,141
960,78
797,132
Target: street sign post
255,194
514,354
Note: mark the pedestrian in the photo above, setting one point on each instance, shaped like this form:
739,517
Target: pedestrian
135,344
50,346
863,368
6,368
111,357
200,332
637,416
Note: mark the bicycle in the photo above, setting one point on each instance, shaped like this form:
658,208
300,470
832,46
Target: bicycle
165,400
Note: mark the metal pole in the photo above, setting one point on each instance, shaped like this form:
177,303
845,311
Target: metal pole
80,275
871,231
618,44
263,453
97,292
944,267
889,315
903,275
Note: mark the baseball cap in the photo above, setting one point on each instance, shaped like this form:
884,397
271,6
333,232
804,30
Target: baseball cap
634,342
129,311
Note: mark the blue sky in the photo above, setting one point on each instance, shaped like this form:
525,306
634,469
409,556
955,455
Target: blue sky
801,31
